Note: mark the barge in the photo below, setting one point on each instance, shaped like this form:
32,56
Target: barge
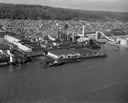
59,62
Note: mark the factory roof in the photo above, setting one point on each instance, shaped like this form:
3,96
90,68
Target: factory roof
30,44
83,50
62,52
26,42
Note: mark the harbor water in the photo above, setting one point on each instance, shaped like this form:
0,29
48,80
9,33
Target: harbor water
96,80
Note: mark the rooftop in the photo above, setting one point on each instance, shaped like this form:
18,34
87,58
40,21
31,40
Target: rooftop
26,42
62,52
30,44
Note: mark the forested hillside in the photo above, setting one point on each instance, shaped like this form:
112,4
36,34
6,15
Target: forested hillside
20,11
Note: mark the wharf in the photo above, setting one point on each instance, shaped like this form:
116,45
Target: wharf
73,55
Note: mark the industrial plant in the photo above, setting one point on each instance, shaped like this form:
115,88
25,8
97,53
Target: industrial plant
64,48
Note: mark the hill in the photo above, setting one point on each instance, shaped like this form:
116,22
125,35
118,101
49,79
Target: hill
21,11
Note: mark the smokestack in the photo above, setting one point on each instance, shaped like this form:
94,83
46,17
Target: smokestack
97,33
73,36
83,30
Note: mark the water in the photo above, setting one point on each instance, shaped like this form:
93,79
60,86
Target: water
99,80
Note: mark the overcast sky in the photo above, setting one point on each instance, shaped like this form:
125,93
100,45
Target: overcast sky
100,5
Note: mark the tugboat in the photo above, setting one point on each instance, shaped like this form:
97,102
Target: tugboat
47,64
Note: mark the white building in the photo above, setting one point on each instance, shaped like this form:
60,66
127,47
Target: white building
16,42
62,54
122,41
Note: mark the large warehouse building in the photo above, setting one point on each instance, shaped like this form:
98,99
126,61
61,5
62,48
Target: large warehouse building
24,47
16,41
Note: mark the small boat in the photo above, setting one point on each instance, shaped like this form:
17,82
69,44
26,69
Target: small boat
60,62
47,64
52,65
